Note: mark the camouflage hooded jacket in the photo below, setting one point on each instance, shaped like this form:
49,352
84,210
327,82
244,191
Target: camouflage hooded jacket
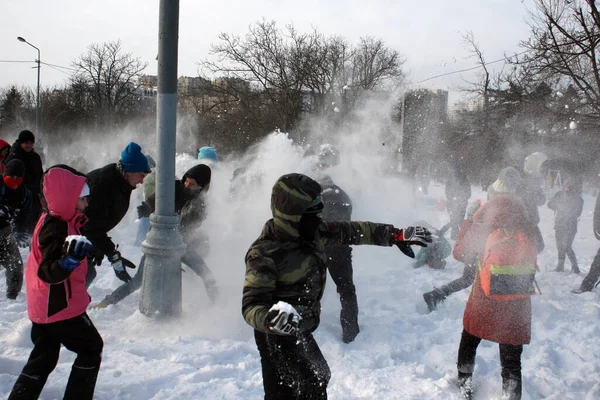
283,266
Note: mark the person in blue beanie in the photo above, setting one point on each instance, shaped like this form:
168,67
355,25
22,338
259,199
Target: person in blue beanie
110,193
208,153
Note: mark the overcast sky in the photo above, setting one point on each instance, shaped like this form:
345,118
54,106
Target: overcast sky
427,33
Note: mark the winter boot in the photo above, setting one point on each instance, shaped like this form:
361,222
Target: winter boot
433,298
575,269
560,267
511,389
465,384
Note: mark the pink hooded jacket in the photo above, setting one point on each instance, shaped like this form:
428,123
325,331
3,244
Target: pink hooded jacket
53,293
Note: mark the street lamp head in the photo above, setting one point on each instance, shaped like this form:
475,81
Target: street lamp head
20,39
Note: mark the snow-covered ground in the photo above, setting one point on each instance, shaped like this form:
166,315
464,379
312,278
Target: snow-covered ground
402,352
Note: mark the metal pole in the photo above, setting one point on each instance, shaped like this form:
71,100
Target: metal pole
163,247
37,103
37,96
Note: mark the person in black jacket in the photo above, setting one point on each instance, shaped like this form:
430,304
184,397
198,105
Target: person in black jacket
567,205
338,207
23,151
15,205
111,188
591,279
190,203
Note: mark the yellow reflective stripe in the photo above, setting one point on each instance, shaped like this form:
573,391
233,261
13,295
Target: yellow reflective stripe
525,269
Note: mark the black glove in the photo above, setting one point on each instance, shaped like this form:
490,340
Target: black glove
283,319
75,249
95,257
119,264
23,239
144,210
412,235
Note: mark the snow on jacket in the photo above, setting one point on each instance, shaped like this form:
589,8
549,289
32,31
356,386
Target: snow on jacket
506,322
110,194
15,205
53,293
283,266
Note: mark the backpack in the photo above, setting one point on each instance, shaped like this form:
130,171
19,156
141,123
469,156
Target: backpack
507,270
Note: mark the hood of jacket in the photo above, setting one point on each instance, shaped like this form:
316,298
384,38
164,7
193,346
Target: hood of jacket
62,186
292,194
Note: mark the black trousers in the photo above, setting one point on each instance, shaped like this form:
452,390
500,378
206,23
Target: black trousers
564,243
339,264
78,335
466,280
191,258
456,210
293,367
592,277
510,358
11,260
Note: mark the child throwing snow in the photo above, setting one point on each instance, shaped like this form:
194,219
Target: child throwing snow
499,307
567,205
56,295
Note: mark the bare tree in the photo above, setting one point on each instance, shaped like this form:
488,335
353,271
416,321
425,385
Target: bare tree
110,76
292,73
564,42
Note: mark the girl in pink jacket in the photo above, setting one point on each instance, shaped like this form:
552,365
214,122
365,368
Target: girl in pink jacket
56,294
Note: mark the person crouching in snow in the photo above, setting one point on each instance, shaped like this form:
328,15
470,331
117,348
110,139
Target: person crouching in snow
504,240
15,206
285,280
56,294
190,203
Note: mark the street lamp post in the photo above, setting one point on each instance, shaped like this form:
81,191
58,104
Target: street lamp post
37,96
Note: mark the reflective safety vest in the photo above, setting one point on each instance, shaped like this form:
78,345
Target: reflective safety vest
508,265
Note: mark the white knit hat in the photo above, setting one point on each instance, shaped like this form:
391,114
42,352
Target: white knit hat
85,191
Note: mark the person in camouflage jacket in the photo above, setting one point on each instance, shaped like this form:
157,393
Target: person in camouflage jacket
285,280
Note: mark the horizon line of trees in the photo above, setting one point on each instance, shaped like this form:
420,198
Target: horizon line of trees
279,78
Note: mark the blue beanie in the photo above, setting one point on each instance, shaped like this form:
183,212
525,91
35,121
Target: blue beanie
133,160
207,152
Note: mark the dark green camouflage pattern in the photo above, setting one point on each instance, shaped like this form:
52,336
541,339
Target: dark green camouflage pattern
282,266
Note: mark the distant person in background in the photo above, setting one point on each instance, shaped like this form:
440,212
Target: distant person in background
57,298
190,203
530,189
591,279
15,205
111,188
23,151
567,205
149,187
338,207
458,192
208,155
4,150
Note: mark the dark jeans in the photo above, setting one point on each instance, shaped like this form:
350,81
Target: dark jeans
592,277
564,243
293,367
80,336
466,280
339,264
510,360
190,258
10,259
